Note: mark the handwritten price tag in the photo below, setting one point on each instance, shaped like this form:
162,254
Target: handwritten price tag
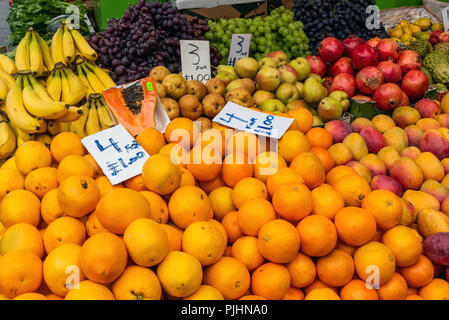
195,60
259,123
117,153
239,47
445,14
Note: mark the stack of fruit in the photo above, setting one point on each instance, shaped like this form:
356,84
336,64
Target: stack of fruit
407,32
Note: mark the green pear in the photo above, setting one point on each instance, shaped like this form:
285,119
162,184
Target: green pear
317,121
241,83
225,76
302,66
343,98
273,105
246,67
330,109
316,76
313,92
229,69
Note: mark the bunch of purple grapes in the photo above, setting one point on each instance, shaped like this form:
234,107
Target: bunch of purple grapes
146,36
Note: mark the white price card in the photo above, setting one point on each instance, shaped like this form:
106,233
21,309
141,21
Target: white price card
117,153
257,122
239,47
445,15
195,60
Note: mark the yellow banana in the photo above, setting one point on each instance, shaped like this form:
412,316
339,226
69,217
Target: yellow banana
54,127
77,89
65,86
39,89
8,141
7,64
105,115
68,45
9,79
44,125
44,138
24,136
102,75
78,126
36,61
3,90
73,114
92,123
46,53
94,81
54,85
57,50
82,76
83,47
22,53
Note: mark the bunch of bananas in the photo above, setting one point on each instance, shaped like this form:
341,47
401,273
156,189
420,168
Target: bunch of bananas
68,43
97,117
7,65
8,141
94,78
65,86
7,81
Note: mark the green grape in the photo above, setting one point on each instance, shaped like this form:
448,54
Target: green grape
252,29
252,46
209,35
267,30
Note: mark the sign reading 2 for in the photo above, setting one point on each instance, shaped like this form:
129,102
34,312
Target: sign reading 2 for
240,44
195,59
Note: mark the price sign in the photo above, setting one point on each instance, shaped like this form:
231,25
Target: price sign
239,47
117,153
445,14
195,59
259,123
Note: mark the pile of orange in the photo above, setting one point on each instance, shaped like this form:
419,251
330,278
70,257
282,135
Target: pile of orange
226,230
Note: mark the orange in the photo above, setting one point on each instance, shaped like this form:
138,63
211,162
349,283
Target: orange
209,186
232,227
104,185
246,250
413,297
180,274
41,180
412,291
319,137
318,284
336,269
78,196
20,272
31,156
74,165
89,290
374,262
220,228
221,202
322,294
395,289
353,188
22,236
271,281
293,201
303,119
188,204
135,183
20,206
174,235
244,143
311,169
357,290
326,201
292,144
97,169
345,247
438,289
103,257
253,215
229,276
281,177
278,241
50,208
30,296
93,226
161,175
158,207
318,235
355,226
385,206
248,189
235,168
204,241
137,283
187,178
64,230
405,243
302,271
204,164
293,294
117,209
252,297
341,154
267,164
61,266
66,143
178,155
420,274
182,131
338,172
151,139
212,140
205,292
146,242
325,157
10,180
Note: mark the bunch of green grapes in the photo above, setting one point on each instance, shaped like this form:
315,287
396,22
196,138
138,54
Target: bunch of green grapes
278,31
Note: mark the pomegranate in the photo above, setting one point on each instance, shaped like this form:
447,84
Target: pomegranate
415,84
388,96
434,37
344,82
428,108
317,65
327,82
363,56
409,60
388,49
391,71
342,65
330,49
362,98
373,42
405,100
350,43
369,79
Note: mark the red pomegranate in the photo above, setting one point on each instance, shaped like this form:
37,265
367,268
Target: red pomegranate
405,100
373,42
344,82
331,49
388,96
317,65
350,43
391,71
369,79
388,49
342,65
415,84
435,37
363,56
409,60
327,82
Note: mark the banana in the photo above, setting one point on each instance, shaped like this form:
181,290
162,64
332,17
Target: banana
46,53
102,75
22,53
105,115
39,89
44,124
77,89
66,90
36,60
8,141
7,64
82,76
36,106
3,90
16,111
57,50
9,79
68,45
54,85
78,126
54,127
83,47
94,81
92,123
22,135
44,138
73,114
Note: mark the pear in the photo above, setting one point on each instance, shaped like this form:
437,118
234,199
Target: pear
229,69
246,67
313,92
330,109
241,83
343,98
225,76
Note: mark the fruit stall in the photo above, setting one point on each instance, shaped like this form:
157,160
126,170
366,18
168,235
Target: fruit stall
245,150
